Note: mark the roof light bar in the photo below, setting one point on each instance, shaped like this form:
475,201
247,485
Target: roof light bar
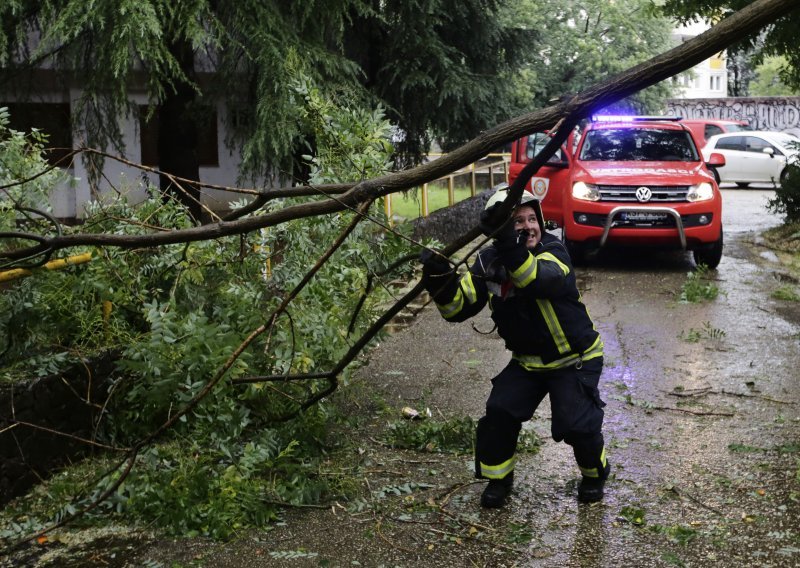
623,118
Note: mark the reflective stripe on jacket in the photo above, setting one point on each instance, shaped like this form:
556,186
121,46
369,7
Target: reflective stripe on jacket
535,303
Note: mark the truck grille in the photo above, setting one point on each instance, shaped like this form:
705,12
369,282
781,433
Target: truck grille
627,193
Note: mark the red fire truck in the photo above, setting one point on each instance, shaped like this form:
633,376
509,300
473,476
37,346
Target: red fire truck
631,181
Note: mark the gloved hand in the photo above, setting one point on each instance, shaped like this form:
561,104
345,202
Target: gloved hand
501,229
433,265
436,274
494,226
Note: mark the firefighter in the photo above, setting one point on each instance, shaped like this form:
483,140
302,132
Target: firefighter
527,278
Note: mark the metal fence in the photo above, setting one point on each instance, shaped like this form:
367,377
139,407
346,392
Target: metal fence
492,169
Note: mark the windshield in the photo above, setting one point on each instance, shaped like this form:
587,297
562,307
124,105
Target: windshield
638,145
737,127
784,139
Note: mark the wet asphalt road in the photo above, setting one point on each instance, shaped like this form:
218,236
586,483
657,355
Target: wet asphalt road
702,418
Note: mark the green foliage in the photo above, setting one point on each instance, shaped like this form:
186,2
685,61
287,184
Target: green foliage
22,157
697,287
787,293
456,435
436,66
787,196
676,534
352,143
633,514
768,81
441,67
175,314
582,43
706,332
519,533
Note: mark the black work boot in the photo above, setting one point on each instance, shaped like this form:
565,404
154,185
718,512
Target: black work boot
494,496
590,489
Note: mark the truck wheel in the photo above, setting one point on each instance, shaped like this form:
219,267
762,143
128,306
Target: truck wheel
709,254
577,251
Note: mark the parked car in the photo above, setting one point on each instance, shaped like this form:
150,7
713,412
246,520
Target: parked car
629,181
704,128
753,157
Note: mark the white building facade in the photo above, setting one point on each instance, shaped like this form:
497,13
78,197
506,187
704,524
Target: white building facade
709,79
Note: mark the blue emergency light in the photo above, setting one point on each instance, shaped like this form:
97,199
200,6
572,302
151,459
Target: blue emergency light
629,118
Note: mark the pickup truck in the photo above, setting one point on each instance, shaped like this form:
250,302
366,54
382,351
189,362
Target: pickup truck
630,181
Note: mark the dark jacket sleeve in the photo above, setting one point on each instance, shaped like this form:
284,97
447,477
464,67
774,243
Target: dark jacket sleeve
541,273
466,299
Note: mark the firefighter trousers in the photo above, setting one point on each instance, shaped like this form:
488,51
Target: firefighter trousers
577,416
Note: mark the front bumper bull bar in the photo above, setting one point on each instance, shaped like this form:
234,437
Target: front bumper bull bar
611,220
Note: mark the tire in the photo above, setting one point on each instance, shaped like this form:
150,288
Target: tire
710,254
716,176
742,184
577,251
784,175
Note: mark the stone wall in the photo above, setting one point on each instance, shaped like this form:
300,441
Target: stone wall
58,403
763,113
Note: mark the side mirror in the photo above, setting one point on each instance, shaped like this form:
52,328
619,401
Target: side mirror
715,160
560,164
770,151
550,225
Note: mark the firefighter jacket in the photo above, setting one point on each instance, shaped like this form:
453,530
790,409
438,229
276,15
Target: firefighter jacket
534,299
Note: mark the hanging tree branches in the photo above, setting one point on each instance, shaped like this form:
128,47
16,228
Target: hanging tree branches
559,119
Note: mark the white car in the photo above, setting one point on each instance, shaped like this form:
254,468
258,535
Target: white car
753,156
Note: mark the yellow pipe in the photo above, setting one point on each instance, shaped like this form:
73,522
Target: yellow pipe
57,264
387,206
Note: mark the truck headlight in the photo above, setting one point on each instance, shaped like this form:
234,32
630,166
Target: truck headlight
585,191
700,192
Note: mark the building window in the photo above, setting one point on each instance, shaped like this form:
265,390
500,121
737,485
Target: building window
207,148
51,118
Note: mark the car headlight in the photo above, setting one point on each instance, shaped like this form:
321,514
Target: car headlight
585,191
700,192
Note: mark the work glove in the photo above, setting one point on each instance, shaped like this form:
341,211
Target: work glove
501,229
437,276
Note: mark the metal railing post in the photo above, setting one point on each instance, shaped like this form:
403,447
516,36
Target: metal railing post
472,179
387,207
424,199
451,190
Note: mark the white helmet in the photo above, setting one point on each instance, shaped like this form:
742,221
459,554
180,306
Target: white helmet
527,198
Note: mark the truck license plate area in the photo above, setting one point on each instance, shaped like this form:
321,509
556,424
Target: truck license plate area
644,219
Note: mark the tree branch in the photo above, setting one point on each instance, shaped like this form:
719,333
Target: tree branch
744,22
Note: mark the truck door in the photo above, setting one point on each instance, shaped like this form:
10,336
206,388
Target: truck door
550,182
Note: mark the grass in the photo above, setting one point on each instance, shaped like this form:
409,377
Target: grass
787,293
785,241
409,204
697,287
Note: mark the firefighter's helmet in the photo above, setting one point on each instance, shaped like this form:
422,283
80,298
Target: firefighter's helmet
527,199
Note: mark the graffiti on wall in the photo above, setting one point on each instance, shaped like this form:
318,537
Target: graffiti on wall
762,113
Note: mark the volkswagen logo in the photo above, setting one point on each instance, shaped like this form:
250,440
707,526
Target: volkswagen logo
643,194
